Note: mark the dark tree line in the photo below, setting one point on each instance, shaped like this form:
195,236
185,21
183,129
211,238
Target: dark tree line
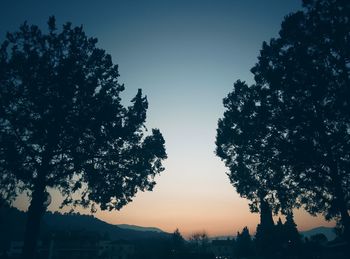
286,138
63,126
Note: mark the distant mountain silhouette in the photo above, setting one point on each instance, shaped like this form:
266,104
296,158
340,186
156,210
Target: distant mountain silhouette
139,228
328,232
12,225
57,221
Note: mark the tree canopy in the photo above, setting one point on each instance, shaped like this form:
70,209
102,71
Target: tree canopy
298,112
62,123
246,142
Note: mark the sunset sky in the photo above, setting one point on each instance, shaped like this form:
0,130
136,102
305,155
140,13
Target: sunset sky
185,55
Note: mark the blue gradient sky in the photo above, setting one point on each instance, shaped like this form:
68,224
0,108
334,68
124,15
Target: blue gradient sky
185,55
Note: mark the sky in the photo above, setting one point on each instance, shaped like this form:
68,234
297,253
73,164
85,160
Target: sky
185,55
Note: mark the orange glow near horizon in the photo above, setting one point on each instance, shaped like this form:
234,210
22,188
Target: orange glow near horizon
218,211
185,55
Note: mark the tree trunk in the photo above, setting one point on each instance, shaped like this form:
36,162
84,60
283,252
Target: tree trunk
266,218
34,215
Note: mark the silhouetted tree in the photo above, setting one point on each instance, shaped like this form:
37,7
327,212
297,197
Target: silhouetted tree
265,237
177,242
199,242
62,125
244,244
291,232
246,141
290,130
306,71
279,236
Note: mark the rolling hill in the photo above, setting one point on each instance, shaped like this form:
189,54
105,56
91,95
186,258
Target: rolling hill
12,225
328,232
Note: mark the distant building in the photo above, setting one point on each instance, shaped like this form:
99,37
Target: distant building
74,251
222,249
116,250
72,246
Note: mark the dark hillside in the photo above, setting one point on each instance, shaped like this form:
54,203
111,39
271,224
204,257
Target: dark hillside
12,225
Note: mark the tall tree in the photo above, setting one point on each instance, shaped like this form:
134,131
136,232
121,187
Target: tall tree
177,243
302,83
199,242
291,232
265,236
307,71
246,141
244,244
62,125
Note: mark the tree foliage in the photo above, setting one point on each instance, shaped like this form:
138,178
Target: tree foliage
246,142
177,242
244,244
307,70
199,241
295,118
62,123
280,240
